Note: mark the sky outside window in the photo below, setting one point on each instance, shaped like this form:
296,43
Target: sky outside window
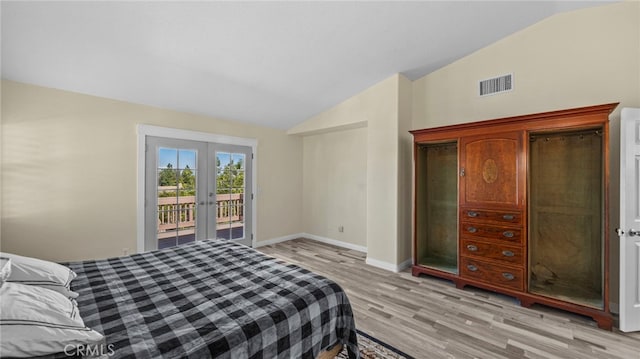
172,156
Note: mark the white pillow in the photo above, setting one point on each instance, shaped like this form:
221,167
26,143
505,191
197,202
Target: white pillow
37,321
33,271
5,269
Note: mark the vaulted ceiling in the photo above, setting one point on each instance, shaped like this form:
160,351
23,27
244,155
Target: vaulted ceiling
268,63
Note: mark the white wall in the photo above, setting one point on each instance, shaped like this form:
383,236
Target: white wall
335,185
69,172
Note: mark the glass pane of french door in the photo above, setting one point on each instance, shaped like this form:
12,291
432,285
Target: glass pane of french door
177,171
176,176
233,193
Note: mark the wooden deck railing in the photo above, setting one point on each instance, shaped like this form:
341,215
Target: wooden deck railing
180,213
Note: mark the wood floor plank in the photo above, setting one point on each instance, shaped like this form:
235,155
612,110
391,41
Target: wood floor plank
428,317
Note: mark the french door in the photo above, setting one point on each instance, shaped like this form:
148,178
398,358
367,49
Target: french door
196,190
232,189
629,231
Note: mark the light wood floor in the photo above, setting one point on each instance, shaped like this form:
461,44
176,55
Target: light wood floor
429,318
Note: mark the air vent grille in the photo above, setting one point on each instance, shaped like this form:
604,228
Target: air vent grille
496,85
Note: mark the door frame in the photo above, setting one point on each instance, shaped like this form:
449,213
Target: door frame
144,130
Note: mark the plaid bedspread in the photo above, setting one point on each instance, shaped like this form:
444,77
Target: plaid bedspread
212,299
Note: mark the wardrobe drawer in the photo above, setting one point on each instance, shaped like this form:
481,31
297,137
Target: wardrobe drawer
500,217
492,251
470,230
492,273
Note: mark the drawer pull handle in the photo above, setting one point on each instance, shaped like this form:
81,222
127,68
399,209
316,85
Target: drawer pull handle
508,217
472,214
472,268
508,234
507,253
508,276
472,229
472,248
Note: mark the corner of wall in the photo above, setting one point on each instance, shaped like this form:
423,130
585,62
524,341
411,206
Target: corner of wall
1,160
388,266
405,169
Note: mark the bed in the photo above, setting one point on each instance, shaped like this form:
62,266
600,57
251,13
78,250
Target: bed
212,299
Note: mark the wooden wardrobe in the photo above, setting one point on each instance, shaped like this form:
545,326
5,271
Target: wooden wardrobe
518,206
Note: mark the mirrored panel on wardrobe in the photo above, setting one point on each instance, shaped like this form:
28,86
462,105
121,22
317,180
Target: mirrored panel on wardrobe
437,206
566,216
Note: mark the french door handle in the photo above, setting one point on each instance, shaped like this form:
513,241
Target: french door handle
632,232
202,203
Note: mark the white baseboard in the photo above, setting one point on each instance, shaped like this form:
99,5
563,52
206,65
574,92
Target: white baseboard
334,242
277,240
614,307
370,261
404,265
389,266
312,237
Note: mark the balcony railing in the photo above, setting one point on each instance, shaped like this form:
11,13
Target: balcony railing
177,215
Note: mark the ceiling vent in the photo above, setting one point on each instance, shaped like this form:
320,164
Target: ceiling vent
496,85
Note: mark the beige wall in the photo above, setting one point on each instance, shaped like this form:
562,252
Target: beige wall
381,106
335,185
385,115
574,59
1,169
69,172
405,170
579,58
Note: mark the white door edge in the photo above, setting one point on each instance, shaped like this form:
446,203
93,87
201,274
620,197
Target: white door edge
629,301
